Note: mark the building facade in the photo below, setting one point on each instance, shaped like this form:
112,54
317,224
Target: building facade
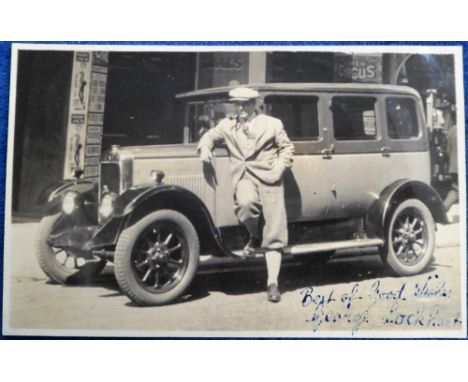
70,106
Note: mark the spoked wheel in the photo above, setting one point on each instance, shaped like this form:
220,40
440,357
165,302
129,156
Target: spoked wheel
410,239
63,266
157,258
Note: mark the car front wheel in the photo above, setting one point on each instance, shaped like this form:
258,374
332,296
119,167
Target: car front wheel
60,265
156,259
410,239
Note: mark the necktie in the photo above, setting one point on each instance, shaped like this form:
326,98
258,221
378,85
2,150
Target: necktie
245,128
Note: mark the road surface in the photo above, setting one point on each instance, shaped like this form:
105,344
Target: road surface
347,296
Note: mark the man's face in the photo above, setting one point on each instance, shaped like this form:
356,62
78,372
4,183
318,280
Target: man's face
244,109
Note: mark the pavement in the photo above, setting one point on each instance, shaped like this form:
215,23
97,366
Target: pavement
448,235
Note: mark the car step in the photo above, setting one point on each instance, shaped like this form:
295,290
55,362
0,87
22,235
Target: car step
208,261
332,246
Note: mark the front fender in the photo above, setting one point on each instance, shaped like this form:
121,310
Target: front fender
88,197
134,204
393,195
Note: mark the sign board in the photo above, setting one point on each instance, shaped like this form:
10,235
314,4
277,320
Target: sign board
361,67
220,68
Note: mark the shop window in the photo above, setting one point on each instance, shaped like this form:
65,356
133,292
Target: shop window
298,114
354,118
402,122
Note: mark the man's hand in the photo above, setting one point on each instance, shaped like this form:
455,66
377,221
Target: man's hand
205,155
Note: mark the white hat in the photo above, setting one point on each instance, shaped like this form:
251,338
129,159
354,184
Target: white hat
243,94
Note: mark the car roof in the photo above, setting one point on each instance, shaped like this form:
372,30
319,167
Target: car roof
305,87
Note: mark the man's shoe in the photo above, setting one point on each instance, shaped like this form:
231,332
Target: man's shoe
250,248
273,293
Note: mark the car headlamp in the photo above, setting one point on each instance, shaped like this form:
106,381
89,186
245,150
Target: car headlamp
69,202
107,205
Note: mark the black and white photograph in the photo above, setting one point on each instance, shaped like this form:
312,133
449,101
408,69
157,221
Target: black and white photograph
236,191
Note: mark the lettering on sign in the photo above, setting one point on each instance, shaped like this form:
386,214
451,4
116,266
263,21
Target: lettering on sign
78,119
91,171
223,63
93,150
358,68
82,56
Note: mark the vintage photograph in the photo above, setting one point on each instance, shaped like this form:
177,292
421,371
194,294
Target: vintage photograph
236,191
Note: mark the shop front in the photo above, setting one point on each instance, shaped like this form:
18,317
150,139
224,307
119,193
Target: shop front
72,105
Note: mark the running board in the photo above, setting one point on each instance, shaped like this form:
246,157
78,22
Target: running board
332,246
303,249
217,264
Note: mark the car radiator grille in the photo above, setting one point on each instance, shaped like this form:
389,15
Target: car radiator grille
110,177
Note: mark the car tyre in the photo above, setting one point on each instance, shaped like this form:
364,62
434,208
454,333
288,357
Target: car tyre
410,239
59,265
157,258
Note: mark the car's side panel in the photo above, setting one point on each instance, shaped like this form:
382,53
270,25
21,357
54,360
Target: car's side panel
306,193
358,170
356,181
187,172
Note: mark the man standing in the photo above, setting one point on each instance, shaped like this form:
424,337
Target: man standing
260,151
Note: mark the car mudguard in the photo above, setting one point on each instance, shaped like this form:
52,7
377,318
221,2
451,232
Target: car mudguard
134,204
52,196
392,195
130,207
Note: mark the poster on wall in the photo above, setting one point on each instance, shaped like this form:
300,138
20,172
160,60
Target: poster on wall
76,139
78,110
87,97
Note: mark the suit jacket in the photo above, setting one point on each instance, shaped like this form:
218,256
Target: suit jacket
266,156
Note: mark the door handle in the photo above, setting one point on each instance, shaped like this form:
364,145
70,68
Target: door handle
385,151
327,153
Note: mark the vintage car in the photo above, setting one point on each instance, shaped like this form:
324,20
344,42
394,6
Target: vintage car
360,178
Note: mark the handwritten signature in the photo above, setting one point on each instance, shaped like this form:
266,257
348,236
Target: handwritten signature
407,305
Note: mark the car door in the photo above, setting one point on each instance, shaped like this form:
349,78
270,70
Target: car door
359,163
305,183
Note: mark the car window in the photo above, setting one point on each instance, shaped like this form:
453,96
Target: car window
354,118
299,115
402,120
205,115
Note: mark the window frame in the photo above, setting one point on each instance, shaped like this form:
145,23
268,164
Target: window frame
355,146
195,103
419,143
360,138
416,115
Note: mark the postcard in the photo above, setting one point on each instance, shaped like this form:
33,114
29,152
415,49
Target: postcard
273,191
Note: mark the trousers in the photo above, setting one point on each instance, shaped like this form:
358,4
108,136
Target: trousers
261,209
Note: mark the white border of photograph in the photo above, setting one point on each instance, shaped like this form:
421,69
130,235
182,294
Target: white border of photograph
417,49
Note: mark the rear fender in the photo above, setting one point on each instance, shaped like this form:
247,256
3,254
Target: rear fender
393,195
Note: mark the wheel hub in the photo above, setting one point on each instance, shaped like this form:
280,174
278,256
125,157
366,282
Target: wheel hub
157,256
409,238
159,259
